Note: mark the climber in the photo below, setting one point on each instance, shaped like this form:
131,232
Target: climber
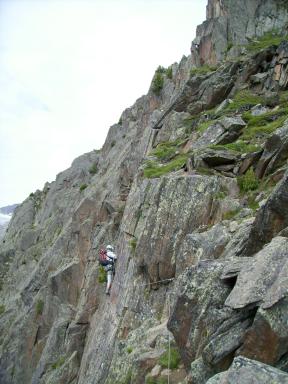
107,259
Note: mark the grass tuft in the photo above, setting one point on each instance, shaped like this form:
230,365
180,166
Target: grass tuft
174,358
239,146
39,307
101,275
265,41
203,70
154,169
82,187
169,72
129,349
248,181
158,80
93,169
244,99
133,244
231,214
58,363
2,309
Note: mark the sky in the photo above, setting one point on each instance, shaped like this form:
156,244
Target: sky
68,68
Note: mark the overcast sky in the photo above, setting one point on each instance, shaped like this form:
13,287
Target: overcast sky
68,68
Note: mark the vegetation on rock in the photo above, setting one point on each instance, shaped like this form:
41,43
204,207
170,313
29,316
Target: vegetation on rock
39,307
93,169
248,181
173,358
265,41
57,364
202,70
2,309
101,275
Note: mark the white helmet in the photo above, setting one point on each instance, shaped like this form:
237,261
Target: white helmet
110,248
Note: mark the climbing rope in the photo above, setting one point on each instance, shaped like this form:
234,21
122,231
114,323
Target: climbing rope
169,341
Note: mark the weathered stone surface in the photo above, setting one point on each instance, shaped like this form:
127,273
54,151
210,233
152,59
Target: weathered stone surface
224,27
57,325
262,281
222,131
215,157
202,246
173,127
245,371
258,110
275,151
169,207
200,323
248,161
270,219
269,328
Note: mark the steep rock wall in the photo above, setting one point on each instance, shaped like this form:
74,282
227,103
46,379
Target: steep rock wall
176,212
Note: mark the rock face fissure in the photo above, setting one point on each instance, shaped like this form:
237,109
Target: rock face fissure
191,187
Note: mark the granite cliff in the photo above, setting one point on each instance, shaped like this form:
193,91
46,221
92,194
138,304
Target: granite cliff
191,186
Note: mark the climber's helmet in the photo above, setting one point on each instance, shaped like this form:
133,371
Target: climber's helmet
110,248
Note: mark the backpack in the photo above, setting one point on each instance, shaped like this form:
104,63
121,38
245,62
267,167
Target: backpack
103,259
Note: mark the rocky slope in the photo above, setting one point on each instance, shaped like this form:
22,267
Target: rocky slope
192,188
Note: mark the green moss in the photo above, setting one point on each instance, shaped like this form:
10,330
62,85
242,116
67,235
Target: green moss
113,143
248,181
265,41
244,99
174,358
82,187
154,169
39,307
57,364
231,214
93,169
2,309
101,275
133,244
203,70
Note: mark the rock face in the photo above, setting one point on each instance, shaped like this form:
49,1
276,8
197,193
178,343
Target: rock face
224,29
247,371
191,189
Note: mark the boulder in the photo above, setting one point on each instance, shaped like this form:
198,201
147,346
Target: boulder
202,246
275,152
223,131
244,371
216,157
271,218
262,280
202,326
269,328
